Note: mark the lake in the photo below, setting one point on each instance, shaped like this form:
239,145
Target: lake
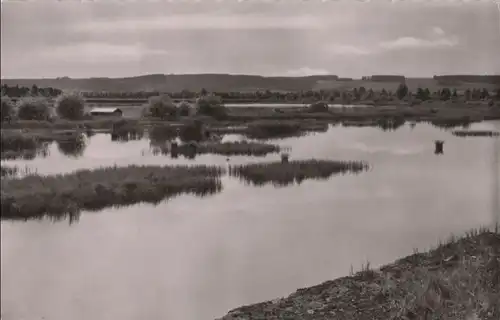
196,258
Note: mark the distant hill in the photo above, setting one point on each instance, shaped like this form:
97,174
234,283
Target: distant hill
242,83
177,83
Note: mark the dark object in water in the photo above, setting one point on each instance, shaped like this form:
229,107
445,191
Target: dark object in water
438,147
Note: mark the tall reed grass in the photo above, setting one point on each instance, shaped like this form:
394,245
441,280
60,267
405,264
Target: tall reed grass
284,173
34,196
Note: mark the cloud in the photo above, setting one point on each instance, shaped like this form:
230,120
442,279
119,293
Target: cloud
416,43
99,52
203,22
306,71
340,49
438,31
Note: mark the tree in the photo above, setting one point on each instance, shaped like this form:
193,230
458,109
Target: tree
34,90
210,105
445,94
203,92
162,107
402,91
454,93
33,109
362,91
7,111
484,94
70,106
422,94
468,95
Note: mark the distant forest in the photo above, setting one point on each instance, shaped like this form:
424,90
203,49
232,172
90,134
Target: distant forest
17,91
333,95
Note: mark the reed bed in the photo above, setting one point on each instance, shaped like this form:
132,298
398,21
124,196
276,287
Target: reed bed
35,196
475,133
8,171
238,148
284,173
271,129
162,133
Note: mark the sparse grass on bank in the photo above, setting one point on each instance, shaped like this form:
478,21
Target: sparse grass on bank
475,133
457,280
34,196
280,173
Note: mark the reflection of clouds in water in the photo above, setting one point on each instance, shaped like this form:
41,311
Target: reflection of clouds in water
378,149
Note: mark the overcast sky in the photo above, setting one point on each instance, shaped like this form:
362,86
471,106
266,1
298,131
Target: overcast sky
288,37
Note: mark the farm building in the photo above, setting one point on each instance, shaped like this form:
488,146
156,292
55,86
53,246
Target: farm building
107,112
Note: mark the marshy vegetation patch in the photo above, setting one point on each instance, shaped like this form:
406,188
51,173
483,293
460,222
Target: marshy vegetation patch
475,133
284,173
34,196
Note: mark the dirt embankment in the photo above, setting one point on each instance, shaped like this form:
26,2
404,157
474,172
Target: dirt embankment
458,280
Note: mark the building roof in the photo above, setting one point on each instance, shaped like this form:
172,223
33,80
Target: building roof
105,110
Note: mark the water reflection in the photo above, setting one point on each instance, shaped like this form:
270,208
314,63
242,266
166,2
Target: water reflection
195,258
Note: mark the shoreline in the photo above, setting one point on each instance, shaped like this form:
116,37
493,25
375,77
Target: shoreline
412,287
433,112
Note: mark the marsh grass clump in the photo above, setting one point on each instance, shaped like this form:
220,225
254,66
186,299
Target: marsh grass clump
458,279
284,173
35,196
268,129
449,123
162,133
126,130
8,171
475,133
72,146
238,148
19,142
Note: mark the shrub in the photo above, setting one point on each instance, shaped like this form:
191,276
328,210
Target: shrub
162,107
33,109
73,146
271,129
318,107
210,106
185,109
7,111
192,131
70,106
161,133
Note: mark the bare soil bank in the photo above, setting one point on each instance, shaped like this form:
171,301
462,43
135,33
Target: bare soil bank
457,280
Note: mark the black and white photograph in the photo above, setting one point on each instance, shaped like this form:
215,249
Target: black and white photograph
250,159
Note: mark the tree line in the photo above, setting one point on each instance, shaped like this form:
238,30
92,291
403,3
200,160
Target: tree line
20,91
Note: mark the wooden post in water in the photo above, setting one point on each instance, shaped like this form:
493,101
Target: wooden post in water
438,147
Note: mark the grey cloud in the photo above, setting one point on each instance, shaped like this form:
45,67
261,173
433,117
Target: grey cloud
292,37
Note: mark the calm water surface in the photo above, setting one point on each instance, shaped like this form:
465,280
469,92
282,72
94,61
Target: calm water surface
196,258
